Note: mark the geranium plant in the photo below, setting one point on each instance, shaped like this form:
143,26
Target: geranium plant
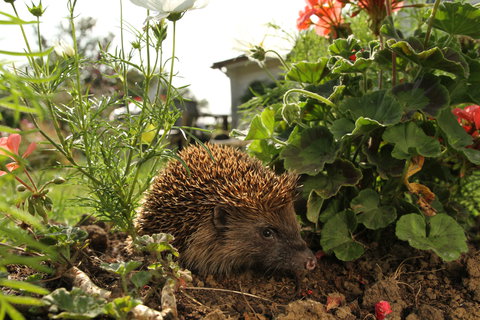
372,128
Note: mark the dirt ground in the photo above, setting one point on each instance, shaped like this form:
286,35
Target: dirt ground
417,284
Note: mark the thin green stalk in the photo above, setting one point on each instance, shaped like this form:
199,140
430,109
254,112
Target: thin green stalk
39,37
25,38
284,64
170,79
430,22
283,143
308,94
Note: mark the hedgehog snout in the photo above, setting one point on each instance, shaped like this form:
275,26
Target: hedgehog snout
311,263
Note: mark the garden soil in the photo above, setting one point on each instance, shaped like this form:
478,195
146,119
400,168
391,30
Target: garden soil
417,284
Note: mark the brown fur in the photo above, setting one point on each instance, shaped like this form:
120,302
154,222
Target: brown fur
218,210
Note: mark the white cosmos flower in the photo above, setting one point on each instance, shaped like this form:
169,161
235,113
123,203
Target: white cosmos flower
167,7
64,49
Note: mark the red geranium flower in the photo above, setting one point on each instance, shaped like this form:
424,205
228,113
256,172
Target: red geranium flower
469,119
9,147
376,10
329,14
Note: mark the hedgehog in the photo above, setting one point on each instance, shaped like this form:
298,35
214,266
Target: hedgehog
227,212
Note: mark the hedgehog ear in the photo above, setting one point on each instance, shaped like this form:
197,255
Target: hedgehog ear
220,217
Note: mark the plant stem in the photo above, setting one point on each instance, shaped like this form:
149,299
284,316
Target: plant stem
284,64
24,183
283,143
430,22
308,94
31,180
25,38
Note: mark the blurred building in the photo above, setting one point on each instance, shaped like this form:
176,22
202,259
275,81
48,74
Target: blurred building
242,72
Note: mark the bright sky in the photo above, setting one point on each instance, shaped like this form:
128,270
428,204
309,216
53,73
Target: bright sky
204,36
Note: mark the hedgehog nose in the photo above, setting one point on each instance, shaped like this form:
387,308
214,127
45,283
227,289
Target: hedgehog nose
311,263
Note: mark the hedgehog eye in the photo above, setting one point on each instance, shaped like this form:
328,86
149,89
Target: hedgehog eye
267,233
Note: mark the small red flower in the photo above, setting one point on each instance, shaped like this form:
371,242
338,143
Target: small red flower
468,116
382,309
9,147
469,119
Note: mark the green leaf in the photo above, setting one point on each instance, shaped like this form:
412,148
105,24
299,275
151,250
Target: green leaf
445,237
344,47
377,105
31,301
120,307
26,54
155,243
426,94
63,235
257,130
458,19
455,134
366,200
264,150
338,174
308,151
472,155
262,125
76,304
364,126
388,29
442,59
378,218
341,127
291,113
308,72
371,214
381,157
337,236
346,66
332,207
14,20
457,137
474,66
22,285
410,140
121,268
11,311
314,205
17,107
141,278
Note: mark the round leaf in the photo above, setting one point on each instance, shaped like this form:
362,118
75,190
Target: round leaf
410,140
336,236
446,237
308,72
458,18
340,173
378,106
309,150
426,94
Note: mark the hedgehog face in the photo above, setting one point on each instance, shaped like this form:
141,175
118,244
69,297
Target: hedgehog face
266,241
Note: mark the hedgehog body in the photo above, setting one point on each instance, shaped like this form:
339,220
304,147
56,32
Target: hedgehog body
227,213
